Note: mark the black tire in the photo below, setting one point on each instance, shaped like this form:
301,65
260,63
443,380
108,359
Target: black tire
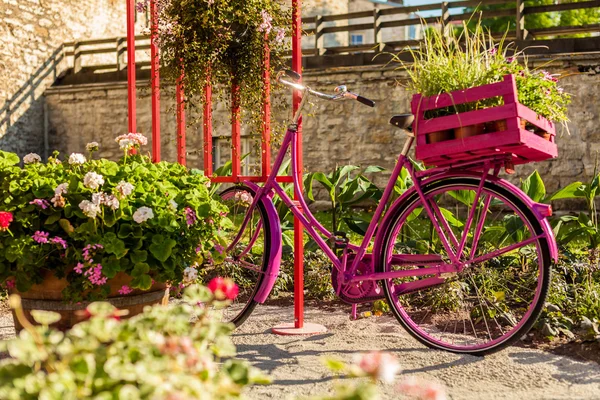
250,303
544,250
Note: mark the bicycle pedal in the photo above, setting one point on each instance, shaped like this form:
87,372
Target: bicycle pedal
340,240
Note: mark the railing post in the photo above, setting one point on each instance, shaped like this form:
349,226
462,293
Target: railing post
377,37
445,18
76,57
120,54
521,31
319,42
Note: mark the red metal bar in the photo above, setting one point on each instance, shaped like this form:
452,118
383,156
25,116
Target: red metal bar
266,135
236,130
242,178
298,230
207,126
181,151
155,82
131,95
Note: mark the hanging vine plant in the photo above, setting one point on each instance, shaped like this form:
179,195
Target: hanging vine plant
221,42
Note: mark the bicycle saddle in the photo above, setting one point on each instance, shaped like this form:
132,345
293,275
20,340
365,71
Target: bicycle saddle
403,121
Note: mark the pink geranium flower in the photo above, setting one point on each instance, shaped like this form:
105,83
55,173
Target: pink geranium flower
5,219
125,290
378,365
223,288
41,237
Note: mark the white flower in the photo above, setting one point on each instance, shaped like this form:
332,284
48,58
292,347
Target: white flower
93,180
92,146
280,35
126,144
89,209
383,366
190,274
111,201
143,214
173,204
77,158
244,197
61,189
31,158
124,189
98,198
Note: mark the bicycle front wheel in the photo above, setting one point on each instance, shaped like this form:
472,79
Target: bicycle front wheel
501,290
247,261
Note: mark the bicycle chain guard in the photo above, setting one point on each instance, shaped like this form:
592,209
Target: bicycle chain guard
357,292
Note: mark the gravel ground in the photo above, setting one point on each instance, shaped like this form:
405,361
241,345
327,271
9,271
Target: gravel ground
294,362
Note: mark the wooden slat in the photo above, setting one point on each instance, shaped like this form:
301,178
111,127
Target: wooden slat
466,119
487,14
410,21
353,48
562,7
565,30
347,28
352,15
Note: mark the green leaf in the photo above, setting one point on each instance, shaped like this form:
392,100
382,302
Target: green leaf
8,159
452,220
161,247
571,191
334,365
138,256
373,168
53,218
534,187
45,317
140,269
143,282
125,230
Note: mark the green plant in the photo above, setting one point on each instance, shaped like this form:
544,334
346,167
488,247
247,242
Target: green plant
471,57
346,188
158,354
220,42
87,220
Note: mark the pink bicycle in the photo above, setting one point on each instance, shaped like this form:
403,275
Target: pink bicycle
462,257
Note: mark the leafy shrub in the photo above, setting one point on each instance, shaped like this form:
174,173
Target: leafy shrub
158,354
87,220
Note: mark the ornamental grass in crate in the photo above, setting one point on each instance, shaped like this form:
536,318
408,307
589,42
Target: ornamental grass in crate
471,93
83,229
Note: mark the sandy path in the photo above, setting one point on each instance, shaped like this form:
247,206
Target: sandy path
295,366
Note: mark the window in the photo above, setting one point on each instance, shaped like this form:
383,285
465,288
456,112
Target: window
250,152
412,32
357,38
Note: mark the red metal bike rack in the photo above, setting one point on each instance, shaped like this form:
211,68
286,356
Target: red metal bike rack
298,327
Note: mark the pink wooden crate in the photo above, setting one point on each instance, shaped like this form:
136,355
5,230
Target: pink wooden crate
519,144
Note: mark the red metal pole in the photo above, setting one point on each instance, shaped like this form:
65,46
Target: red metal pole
155,83
236,130
181,156
266,136
131,95
208,165
298,230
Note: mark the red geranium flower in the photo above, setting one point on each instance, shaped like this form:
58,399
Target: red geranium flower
5,219
223,288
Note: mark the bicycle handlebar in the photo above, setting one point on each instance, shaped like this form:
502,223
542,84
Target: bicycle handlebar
341,91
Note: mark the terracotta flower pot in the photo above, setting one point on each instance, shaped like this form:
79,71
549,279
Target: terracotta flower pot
48,296
468,131
495,126
440,136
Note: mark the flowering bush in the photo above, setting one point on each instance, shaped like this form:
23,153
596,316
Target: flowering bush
214,41
158,354
87,220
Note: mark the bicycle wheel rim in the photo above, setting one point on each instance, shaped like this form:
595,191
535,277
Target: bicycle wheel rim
535,303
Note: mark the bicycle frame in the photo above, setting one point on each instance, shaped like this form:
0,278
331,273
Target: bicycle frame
429,264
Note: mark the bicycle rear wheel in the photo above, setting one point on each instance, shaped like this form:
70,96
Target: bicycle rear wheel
497,297
246,263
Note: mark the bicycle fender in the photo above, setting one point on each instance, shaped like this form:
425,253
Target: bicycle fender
276,247
536,208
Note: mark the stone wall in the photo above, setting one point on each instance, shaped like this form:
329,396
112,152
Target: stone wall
31,32
334,133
